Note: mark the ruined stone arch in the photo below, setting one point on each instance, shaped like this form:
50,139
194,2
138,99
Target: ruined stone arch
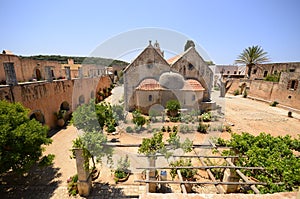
37,74
65,106
38,116
81,99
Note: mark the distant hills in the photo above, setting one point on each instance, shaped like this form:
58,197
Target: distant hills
78,60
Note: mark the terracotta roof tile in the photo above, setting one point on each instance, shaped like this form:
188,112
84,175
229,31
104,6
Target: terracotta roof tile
173,59
192,84
149,84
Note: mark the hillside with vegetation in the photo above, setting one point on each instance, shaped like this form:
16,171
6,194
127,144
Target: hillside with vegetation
78,60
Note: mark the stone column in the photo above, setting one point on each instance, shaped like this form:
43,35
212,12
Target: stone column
230,175
10,73
68,72
84,183
152,175
48,75
80,73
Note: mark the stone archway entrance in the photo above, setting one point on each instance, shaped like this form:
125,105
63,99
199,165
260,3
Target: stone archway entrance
38,116
38,74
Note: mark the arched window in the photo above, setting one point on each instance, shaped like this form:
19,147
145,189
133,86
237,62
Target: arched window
150,98
65,106
292,84
191,67
193,97
81,99
38,116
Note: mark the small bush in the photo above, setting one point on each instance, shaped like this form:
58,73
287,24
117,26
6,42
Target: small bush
129,129
175,129
273,78
236,92
206,117
174,119
274,103
163,129
72,185
169,129
245,94
202,128
228,129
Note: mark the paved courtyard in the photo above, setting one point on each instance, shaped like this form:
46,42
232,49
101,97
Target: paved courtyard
244,114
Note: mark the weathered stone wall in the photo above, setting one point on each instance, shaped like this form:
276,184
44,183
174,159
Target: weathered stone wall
149,64
47,97
260,70
272,91
199,70
25,68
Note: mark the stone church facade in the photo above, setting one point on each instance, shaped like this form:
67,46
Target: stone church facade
151,80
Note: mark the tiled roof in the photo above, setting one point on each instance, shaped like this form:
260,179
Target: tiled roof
193,85
152,84
149,84
173,59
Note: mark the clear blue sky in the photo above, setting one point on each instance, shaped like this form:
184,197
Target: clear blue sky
222,27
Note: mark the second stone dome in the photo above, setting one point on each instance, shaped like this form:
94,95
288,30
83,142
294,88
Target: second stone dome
170,80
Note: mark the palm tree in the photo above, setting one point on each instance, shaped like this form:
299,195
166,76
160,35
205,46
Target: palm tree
251,56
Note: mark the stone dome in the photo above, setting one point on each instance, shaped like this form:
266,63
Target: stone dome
170,80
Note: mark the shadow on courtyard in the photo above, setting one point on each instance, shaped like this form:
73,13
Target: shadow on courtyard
39,183
105,191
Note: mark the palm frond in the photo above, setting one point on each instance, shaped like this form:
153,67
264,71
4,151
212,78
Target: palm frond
252,55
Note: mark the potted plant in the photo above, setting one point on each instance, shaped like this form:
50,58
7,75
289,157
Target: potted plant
122,172
172,107
187,174
60,115
150,147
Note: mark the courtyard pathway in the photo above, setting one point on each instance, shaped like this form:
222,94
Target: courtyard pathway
245,114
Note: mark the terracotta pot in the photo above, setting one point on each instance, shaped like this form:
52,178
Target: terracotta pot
124,179
61,122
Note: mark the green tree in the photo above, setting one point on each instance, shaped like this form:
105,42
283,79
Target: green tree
153,145
275,154
93,117
94,147
21,139
188,44
86,119
251,56
138,119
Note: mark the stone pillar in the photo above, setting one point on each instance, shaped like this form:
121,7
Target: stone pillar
48,75
10,73
80,73
152,174
230,176
68,72
84,183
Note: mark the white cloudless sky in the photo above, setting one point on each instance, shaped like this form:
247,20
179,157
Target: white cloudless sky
222,27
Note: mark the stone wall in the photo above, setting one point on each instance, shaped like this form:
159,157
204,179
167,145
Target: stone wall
26,68
192,66
261,70
272,91
149,64
47,97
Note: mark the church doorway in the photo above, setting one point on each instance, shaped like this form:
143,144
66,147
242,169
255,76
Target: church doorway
38,74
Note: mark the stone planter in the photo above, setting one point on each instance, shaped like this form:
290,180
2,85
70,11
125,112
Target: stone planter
60,122
84,183
188,186
124,179
173,113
